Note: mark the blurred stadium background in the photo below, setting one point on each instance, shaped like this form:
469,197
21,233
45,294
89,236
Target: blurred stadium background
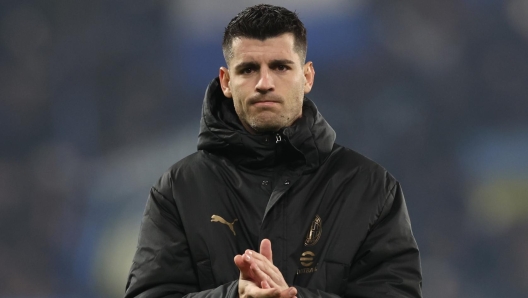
98,98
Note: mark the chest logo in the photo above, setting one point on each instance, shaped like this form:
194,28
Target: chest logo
307,260
217,218
315,231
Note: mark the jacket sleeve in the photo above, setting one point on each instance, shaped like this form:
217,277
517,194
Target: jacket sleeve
387,263
162,265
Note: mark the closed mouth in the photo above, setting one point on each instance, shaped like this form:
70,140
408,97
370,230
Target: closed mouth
264,101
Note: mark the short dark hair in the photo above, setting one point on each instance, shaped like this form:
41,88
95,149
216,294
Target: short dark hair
264,21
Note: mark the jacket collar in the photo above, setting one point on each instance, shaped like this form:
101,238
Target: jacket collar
310,136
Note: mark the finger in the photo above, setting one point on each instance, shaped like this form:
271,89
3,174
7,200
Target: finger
265,285
254,291
263,263
239,261
248,289
244,267
260,272
265,249
260,276
290,292
263,270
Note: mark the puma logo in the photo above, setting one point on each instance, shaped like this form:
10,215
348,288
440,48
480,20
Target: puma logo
216,218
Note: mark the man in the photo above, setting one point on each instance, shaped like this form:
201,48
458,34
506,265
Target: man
270,206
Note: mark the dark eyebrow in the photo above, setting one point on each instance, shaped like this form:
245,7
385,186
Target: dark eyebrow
277,62
254,65
245,65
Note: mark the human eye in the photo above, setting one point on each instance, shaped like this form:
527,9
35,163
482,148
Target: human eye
247,70
282,67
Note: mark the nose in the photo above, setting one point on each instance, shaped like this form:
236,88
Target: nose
265,83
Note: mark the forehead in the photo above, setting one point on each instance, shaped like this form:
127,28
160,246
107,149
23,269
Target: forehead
279,47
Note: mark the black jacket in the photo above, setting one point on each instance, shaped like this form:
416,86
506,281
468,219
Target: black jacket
337,221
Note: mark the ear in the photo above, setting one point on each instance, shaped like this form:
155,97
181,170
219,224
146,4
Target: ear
224,81
309,75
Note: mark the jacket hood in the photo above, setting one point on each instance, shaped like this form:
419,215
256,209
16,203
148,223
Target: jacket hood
222,132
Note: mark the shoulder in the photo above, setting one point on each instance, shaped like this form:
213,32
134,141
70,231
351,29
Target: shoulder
187,164
195,165
346,159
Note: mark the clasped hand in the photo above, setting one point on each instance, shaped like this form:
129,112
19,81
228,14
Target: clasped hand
259,278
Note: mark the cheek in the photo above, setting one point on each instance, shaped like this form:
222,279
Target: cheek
298,97
238,102
235,90
239,94
297,93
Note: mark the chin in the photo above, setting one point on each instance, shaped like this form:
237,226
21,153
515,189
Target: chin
267,124
266,127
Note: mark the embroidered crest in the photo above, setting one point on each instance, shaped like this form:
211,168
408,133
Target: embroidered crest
316,229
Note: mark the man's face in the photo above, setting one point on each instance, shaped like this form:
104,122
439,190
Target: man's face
267,82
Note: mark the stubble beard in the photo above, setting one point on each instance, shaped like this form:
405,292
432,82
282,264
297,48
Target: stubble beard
270,121
267,126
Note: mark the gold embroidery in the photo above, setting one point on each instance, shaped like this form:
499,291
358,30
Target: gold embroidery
217,218
307,258
316,229
306,270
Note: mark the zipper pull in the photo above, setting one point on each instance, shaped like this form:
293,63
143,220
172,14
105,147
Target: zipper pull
278,138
